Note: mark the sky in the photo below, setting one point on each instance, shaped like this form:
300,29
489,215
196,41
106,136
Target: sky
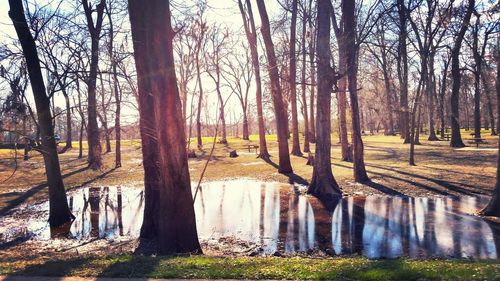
222,12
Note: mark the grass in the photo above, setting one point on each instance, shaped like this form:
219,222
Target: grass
356,268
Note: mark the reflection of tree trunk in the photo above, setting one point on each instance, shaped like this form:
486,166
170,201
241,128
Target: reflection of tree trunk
119,210
346,229
358,217
94,200
59,212
276,93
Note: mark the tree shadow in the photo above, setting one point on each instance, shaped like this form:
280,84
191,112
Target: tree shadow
384,189
292,177
35,189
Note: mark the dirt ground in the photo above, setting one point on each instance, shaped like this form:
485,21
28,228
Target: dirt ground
440,170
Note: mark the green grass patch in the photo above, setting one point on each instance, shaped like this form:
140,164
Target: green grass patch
357,268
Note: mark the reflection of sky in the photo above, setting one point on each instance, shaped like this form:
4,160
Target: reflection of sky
255,213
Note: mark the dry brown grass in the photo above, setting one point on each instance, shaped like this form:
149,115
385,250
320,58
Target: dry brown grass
440,169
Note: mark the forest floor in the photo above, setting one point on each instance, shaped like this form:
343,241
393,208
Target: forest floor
440,171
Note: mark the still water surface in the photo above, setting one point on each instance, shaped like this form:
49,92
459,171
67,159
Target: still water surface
274,218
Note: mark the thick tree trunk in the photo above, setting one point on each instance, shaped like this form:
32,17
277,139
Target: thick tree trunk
293,79
93,136
456,138
176,218
280,110
59,212
246,131
250,32
348,15
323,184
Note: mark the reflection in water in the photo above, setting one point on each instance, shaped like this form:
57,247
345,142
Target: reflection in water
271,216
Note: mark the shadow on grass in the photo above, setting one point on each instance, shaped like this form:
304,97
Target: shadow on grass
292,177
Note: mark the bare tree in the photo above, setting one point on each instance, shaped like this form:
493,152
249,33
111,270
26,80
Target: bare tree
251,34
94,28
323,184
59,212
174,215
280,110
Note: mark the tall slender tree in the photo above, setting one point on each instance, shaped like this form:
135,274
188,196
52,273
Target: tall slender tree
456,137
59,212
251,34
280,111
94,28
293,81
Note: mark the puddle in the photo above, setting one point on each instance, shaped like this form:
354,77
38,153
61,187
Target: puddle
269,217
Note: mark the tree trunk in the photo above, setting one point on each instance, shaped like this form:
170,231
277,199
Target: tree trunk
491,114
442,94
103,116
323,184
250,32
93,136
493,208
431,92
303,83
69,139
293,79
280,111
348,14
118,155
59,212
200,102
222,119
312,124
456,138
477,80
246,133
403,72
175,214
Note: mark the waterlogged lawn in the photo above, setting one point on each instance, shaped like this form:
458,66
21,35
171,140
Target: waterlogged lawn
357,268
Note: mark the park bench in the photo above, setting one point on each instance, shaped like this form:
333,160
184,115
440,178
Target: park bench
252,146
447,136
477,141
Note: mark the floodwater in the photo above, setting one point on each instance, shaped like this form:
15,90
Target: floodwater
272,217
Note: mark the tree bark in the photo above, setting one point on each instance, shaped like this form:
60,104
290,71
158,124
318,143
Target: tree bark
348,14
303,82
93,136
493,207
323,184
342,90
456,138
251,34
403,72
280,111
69,129
293,79
312,33
59,212
175,214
